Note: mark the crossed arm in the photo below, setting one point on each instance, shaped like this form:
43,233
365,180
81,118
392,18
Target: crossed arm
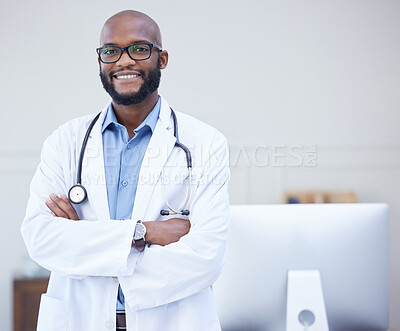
180,262
157,233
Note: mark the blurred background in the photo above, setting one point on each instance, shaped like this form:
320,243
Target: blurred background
307,93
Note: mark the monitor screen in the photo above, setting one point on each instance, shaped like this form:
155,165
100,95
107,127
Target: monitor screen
347,243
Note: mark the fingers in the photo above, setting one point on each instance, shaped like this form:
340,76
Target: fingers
55,210
61,207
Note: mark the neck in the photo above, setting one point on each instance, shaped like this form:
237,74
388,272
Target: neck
132,115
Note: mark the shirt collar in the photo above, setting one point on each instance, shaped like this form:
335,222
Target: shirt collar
150,121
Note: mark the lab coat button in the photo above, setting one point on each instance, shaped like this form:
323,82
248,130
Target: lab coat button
124,183
110,324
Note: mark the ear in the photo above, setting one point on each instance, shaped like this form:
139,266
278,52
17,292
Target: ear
164,59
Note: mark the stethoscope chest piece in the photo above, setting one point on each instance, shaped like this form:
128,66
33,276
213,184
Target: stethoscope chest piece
77,194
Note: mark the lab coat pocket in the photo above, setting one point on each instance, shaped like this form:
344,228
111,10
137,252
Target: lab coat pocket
53,314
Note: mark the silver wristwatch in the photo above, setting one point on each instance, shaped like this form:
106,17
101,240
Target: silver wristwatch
139,236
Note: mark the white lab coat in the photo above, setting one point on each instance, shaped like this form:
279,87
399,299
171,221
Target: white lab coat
166,288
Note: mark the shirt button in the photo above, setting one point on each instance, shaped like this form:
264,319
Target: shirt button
129,146
110,324
124,183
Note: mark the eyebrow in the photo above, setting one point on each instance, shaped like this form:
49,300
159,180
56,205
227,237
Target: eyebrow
135,42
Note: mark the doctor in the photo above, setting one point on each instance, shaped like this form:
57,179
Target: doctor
115,251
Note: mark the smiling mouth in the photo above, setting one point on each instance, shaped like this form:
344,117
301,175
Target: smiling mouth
127,76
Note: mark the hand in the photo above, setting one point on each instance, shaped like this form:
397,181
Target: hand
61,207
166,232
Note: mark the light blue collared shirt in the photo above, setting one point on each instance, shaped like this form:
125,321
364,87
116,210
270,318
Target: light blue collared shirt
122,160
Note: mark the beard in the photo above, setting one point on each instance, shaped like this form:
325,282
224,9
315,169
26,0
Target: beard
151,82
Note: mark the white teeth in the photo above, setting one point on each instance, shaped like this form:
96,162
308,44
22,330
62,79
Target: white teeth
127,76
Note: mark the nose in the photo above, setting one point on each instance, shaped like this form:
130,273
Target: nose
125,59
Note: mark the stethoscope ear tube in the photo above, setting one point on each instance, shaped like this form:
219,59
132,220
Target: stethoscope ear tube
187,152
178,143
184,212
181,210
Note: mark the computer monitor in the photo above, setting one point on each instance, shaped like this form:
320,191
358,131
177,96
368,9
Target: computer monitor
347,243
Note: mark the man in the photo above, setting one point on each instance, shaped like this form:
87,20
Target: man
116,251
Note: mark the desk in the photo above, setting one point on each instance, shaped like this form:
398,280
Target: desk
27,292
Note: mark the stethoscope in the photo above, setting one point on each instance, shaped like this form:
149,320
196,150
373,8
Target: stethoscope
77,193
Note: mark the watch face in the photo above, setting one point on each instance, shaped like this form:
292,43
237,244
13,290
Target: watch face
140,231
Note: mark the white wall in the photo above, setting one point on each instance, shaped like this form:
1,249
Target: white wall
271,75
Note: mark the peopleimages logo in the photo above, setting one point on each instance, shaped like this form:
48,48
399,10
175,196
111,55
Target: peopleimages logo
277,155
280,155
207,163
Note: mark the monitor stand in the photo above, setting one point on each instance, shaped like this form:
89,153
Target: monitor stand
305,309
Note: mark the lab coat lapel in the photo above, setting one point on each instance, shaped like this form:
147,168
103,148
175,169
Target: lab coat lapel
93,171
160,146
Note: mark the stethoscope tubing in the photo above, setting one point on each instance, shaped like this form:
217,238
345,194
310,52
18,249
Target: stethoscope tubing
83,149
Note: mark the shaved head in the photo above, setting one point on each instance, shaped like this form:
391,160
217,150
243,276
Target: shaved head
131,80
131,19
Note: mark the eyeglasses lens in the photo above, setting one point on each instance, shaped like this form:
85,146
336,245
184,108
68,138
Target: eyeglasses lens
139,51
109,53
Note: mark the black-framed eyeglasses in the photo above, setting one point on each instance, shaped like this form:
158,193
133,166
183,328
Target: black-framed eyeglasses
137,52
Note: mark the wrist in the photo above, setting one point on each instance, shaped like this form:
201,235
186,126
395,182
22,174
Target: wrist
149,232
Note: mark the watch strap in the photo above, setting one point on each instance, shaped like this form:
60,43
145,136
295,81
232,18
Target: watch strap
140,244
